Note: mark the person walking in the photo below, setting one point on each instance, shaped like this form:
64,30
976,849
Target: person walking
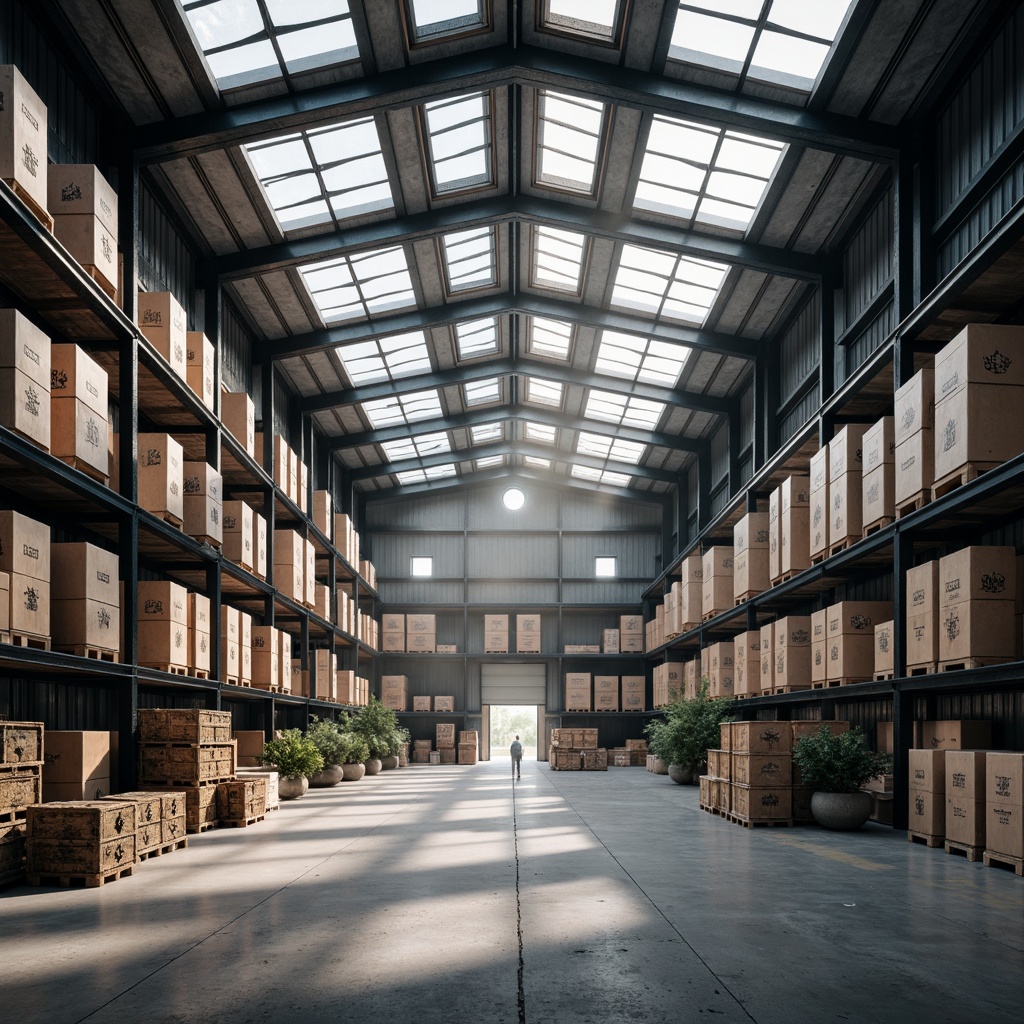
517,758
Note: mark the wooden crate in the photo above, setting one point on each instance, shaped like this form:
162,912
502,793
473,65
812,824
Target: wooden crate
467,753
762,804
446,735
448,755
152,806
242,800
21,743
200,805
82,820
12,853
83,859
595,760
19,788
169,764
184,725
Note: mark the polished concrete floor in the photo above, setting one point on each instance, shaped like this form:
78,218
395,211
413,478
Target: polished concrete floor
445,894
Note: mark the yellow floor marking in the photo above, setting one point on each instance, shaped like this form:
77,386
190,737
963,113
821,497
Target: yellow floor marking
837,855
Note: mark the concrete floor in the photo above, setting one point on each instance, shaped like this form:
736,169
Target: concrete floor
429,894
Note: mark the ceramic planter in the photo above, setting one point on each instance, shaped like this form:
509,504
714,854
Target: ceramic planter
330,776
372,766
678,774
841,811
353,772
390,762
292,789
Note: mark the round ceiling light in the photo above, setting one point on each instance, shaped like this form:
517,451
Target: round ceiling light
514,499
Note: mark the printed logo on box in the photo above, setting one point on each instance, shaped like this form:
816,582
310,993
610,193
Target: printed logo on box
152,606
30,160
949,436
152,457
952,625
92,433
70,193
993,583
103,618
31,599
152,316
1002,785
32,400
58,380
997,362
30,117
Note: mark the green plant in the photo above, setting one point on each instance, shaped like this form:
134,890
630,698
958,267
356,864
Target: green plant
328,740
293,755
378,725
356,750
689,729
838,764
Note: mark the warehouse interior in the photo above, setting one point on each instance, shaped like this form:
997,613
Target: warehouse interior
501,327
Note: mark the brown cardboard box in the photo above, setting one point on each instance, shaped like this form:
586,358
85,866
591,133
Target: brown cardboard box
78,436
161,476
91,244
323,517
978,573
162,321
965,820
883,648
528,624
775,534
761,803
80,190
914,406
245,648
717,561
421,624
768,770
857,617
162,601
25,407
237,533
956,735
577,691
392,622
927,814
922,641
691,568
850,657
846,450
238,414
927,770
631,624
717,595
496,642
977,629
819,504
202,503
747,663
878,494
846,512
82,622
75,374
85,571
606,693
922,588
987,354
794,525
819,645
23,138
750,572
767,657
259,545
792,652
444,703
266,656
24,547
496,624
1004,793
883,737
529,643
914,467
751,532
290,564
199,370
421,703
72,756
879,444
393,643
801,730
1004,828
5,601
162,643
979,423
29,605
634,693
423,643
965,774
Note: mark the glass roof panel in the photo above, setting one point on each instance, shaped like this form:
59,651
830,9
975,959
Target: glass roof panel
568,138
557,259
666,285
541,432
432,19
395,409
476,338
482,392
623,410
550,339
536,462
601,476
399,355
241,45
310,175
487,432
360,286
613,448
420,476
416,447
544,392
470,259
489,460
631,357
459,142
597,19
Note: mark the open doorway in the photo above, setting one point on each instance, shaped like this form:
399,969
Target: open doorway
509,721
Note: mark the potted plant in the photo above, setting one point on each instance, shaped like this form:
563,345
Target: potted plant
836,767
377,725
356,753
399,736
689,729
296,758
328,740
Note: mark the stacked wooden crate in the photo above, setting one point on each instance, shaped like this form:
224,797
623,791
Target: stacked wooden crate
467,748
421,750
445,740
576,750
188,749
242,801
21,764
159,821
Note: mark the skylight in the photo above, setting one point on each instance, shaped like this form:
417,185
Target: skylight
612,448
433,19
399,355
315,176
593,19
705,175
645,360
667,285
485,432
459,142
789,49
416,447
422,476
601,476
536,462
469,259
549,339
482,392
543,392
623,410
557,259
488,461
539,432
477,338
249,41
568,140
387,412
361,285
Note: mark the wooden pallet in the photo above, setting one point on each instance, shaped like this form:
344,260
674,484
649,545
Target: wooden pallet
159,851
19,767
818,557
198,673
170,518
13,814
83,467
205,538
189,784
174,670
790,689
267,687
966,663
840,546
932,842
972,853
233,680
710,808
883,677
925,668
241,822
40,213
9,878
878,524
96,653
203,826
88,881
746,596
844,681
5,636
714,612
786,577
991,858
914,503
964,475
823,686
39,643
756,822
110,290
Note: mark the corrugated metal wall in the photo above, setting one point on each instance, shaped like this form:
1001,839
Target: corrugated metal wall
166,263
800,350
868,259
236,369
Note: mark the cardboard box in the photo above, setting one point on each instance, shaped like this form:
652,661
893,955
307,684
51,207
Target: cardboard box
846,450
238,415
879,444
956,735
75,374
423,643
980,424
717,561
80,190
421,703
977,629
496,624
978,573
266,656
392,643
927,813
634,693
747,667
199,367
259,545
750,572
846,512
922,641
496,643
819,645
856,618
768,770
162,601
85,571
392,622
163,323
914,406
72,756
927,770
922,588
794,525
202,516
914,467
163,643
760,737
751,532
82,622
631,624
883,648
161,476
768,657
444,735
577,691
606,693
5,601
529,643
987,354
237,533
89,242
23,138
819,504
850,657
308,574
25,407
717,595
965,775
78,436
421,624
878,494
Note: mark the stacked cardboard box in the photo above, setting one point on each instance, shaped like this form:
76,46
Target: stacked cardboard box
817,542
927,796
79,411
421,751
77,765
922,599
965,801
248,747
86,616
268,645
238,415
237,534
722,669
851,640
717,585
606,693
163,323
323,513
631,634
421,633
790,526
634,693
162,477
162,617
878,503
84,209
819,647
199,367
202,515
230,644
325,666
792,653
25,557
978,380
750,556
187,749
1004,809
495,634
245,648
913,430
392,627
290,565
467,749
577,691
528,634
768,658
668,683
21,761
747,664
23,130
977,591
395,692
609,641
445,743
346,538
884,650
846,487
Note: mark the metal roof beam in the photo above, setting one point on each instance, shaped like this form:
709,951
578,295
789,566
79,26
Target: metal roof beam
506,302
487,212
505,65
521,414
503,367
511,448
